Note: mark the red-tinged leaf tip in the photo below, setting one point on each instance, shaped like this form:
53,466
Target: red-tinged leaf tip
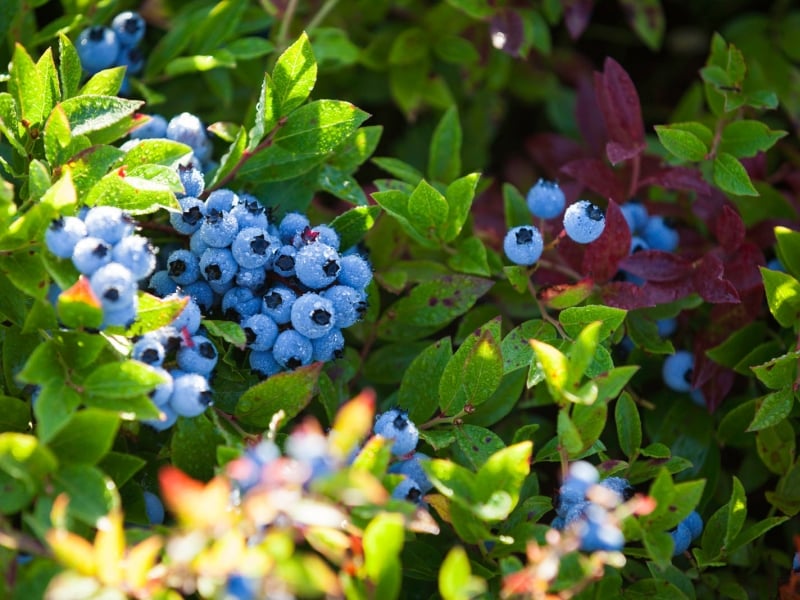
353,422
577,14
565,295
709,282
729,229
622,113
656,265
601,258
192,501
82,292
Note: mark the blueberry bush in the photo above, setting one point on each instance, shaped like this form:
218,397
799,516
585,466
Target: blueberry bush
399,299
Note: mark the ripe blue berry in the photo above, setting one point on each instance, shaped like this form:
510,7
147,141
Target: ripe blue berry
328,347
263,363
545,199
197,244
191,395
63,234
395,425
155,127
188,129
619,485
250,278
198,357
254,248
694,522
584,222
189,318
114,286
201,292
191,217
250,213
222,200
97,48
149,350
659,235
349,304
137,254
283,261
261,332
191,178
132,59
682,536
292,350
167,419
291,226
218,266
326,235
108,223
183,267
638,244
312,315
129,27
677,371
597,533
278,304
636,216
239,303
408,489
162,284
355,271
154,508
219,229
666,327
523,245
317,265
412,469
120,316
163,391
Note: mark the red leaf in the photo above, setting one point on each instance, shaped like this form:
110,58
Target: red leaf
728,228
662,292
551,151
622,113
625,295
577,14
601,258
656,265
678,178
709,283
596,175
589,118
507,31
715,381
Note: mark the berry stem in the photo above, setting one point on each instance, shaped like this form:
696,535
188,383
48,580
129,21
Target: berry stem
442,419
544,314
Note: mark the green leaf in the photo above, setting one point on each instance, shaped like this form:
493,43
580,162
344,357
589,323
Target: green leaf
266,113
629,425
581,352
474,445
776,446
354,224
646,17
444,159
162,152
135,194
783,296
459,195
121,380
333,48
644,333
503,475
555,366
121,466
342,185
453,481
788,249
69,67
399,169
105,83
738,344
86,437
154,312
24,462
28,87
472,374
46,68
737,512
516,348
10,122
747,138
357,149
220,59
220,25
193,447
248,48
418,393
427,210
477,9
731,176
92,495
290,392
94,113
294,76
589,416
574,319
382,542
568,434
682,140
455,577
15,414
470,257
9,11
754,532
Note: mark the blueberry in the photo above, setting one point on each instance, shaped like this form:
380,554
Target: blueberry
189,318
291,226
620,485
162,284
63,234
412,469
191,178
261,332
249,212
283,261
191,395
636,216
774,264
292,350
409,490
220,288
167,419
149,350
114,286
250,278
97,48
239,303
197,245
638,244
545,199
600,536
218,266
108,223
694,522
326,235
154,508
666,327
659,235
523,245
163,391
682,536
355,271
219,228
317,265
137,254
201,293
395,425
584,222
796,563
200,356
222,200
191,216
188,129
677,371
312,315
349,304
576,512
263,363
155,127
278,304
239,587
183,267
328,347
129,27
130,58
120,316
254,248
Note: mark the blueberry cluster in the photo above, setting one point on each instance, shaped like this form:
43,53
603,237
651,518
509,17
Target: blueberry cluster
287,285
648,232
185,128
104,248
583,222
394,424
185,357
116,46
687,530
585,506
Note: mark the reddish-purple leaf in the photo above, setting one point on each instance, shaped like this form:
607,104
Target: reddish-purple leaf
551,151
663,292
728,228
577,14
709,282
601,258
625,295
656,265
741,269
596,175
677,178
507,31
622,113
589,118
715,381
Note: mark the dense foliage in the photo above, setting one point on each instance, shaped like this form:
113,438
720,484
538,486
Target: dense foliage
399,298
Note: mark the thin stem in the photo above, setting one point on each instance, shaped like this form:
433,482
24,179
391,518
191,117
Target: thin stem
564,269
286,22
321,14
545,315
442,420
